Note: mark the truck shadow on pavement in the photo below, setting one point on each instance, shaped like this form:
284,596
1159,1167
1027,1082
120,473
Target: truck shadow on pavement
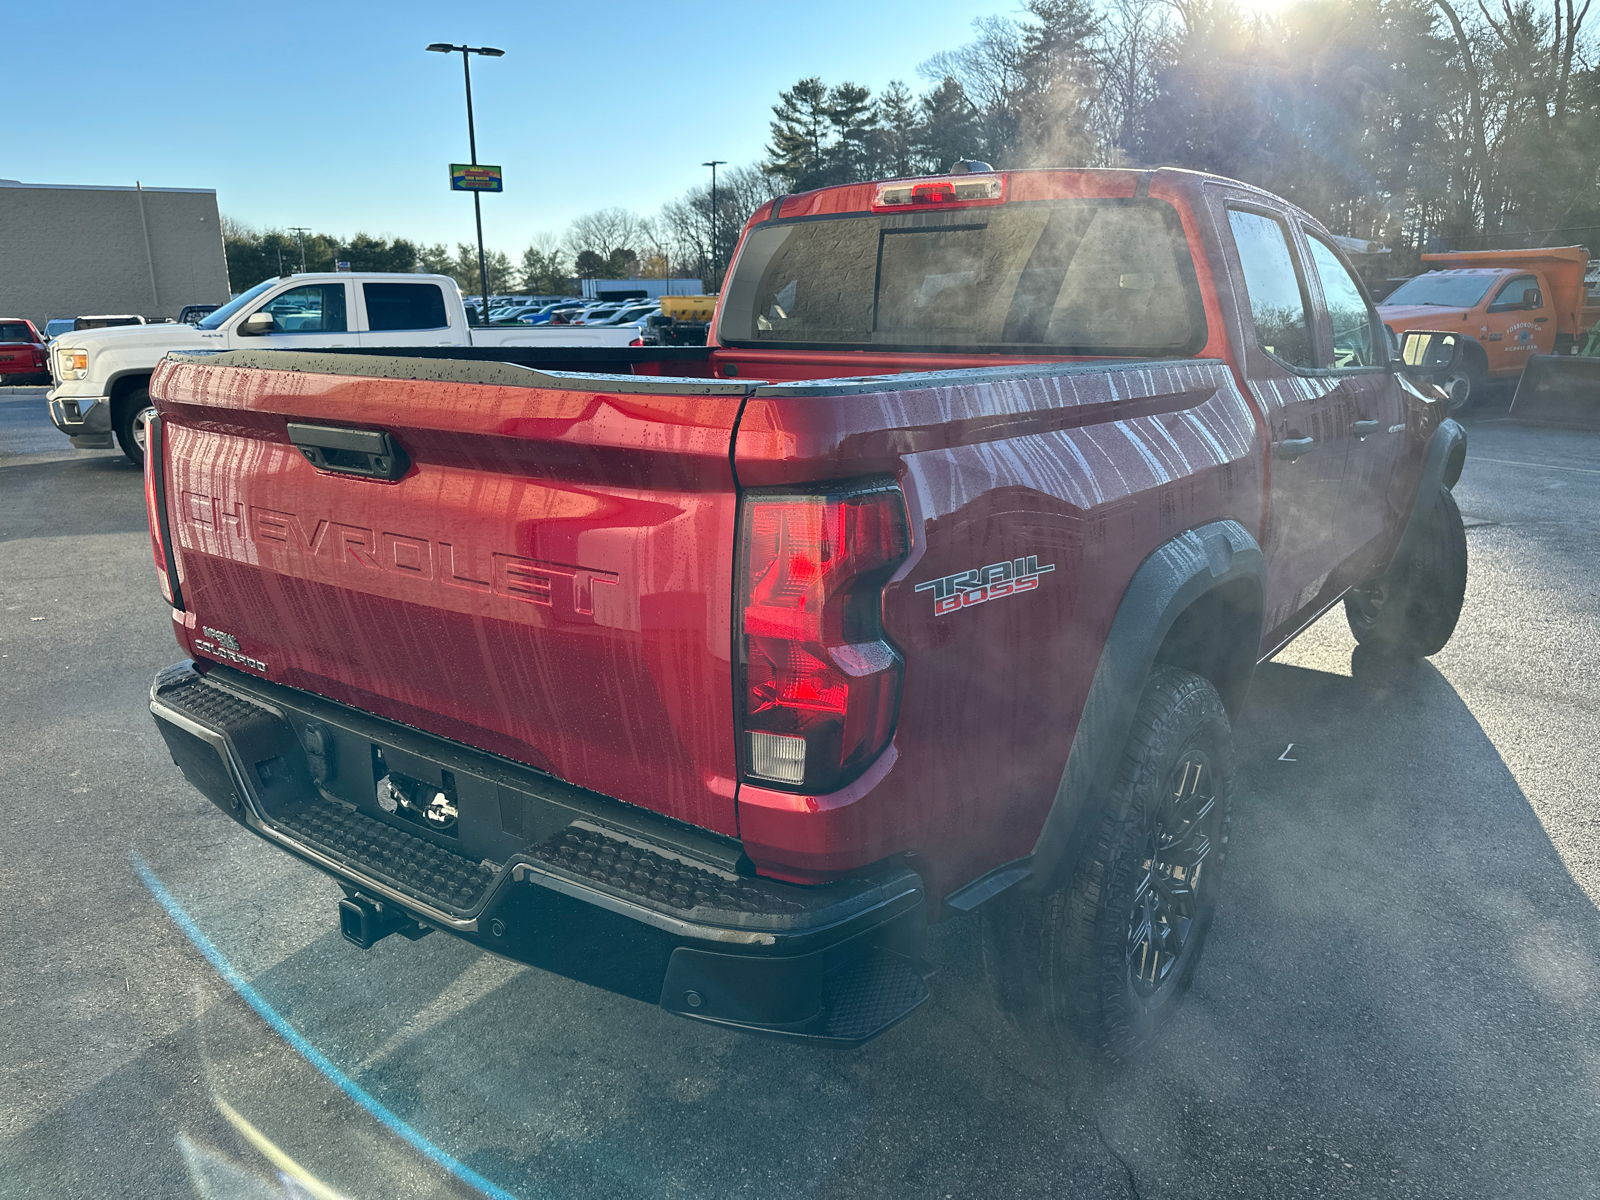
1399,995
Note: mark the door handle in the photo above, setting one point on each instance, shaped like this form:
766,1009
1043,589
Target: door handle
1540,320
368,453
1293,447
1362,428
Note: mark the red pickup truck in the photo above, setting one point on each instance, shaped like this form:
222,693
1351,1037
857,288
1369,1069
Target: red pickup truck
23,357
710,675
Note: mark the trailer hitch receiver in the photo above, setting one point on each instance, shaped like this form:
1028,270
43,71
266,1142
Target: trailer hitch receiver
366,922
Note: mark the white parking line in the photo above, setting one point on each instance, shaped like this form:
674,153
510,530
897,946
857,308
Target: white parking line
1510,462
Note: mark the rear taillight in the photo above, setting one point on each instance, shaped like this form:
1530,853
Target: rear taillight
820,684
155,506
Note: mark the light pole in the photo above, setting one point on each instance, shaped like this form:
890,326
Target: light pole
299,232
714,164
472,143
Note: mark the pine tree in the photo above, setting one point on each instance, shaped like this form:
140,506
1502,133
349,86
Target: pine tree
949,125
852,115
1061,71
799,135
898,131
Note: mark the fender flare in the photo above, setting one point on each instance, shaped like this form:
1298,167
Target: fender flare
1446,456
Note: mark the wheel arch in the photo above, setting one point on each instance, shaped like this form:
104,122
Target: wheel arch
1445,459
119,388
1197,602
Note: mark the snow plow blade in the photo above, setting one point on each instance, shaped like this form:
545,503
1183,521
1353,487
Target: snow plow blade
1559,389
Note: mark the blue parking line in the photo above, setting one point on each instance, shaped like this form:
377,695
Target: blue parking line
306,1050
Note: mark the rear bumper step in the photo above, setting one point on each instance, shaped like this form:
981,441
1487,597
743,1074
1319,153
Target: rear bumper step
545,873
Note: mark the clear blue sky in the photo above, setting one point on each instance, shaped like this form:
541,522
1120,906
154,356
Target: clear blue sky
331,115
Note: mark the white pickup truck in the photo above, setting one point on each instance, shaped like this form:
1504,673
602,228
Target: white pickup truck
102,376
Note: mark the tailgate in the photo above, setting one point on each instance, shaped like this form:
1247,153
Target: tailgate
549,579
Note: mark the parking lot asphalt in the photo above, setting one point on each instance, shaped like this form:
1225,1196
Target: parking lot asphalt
1399,997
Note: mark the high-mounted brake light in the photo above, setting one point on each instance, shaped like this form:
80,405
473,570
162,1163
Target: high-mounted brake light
955,191
155,505
820,683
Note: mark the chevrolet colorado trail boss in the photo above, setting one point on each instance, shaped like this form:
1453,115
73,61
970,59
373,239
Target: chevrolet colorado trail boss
710,675
102,376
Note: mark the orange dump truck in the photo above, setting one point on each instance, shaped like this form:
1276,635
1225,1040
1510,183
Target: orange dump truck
1510,304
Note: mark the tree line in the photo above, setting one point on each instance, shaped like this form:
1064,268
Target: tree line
1423,124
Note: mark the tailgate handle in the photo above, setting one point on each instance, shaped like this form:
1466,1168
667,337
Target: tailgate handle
369,453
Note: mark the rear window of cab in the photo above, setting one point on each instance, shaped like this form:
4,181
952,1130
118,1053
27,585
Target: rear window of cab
1063,277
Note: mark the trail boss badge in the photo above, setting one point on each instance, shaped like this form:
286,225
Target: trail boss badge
994,582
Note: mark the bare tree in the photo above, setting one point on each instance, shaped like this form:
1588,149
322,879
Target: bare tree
604,232
1136,34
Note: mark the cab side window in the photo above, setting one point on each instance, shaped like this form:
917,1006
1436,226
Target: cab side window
1354,344
392,306
1517,294
314,308
1277,302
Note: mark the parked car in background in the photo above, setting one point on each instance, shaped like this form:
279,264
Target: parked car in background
512,315
597,314
102,377
541,315
106,322
57,325
191,313
630,314
23,354
930,587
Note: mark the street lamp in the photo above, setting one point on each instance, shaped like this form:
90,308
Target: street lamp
714,164
472,142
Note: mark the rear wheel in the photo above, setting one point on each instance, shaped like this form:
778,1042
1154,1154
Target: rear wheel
133,415
1412,609
1108,956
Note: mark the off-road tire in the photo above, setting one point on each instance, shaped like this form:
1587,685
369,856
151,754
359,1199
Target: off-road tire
130,410
1411,611
1065,963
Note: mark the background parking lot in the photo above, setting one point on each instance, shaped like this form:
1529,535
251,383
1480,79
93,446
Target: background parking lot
1399,997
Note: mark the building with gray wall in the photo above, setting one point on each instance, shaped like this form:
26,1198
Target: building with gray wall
69,250
652,289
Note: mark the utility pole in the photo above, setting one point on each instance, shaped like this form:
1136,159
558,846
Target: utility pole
716,282
299,232
472,144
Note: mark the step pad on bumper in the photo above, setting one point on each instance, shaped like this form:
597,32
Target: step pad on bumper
869,995
644,874
406,863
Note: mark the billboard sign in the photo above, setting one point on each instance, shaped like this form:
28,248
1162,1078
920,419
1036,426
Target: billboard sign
467,177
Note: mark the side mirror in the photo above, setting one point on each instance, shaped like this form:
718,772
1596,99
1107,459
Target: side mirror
257,324
1533,299
1427,352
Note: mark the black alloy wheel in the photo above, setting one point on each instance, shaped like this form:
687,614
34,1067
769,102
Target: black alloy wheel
1178,839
